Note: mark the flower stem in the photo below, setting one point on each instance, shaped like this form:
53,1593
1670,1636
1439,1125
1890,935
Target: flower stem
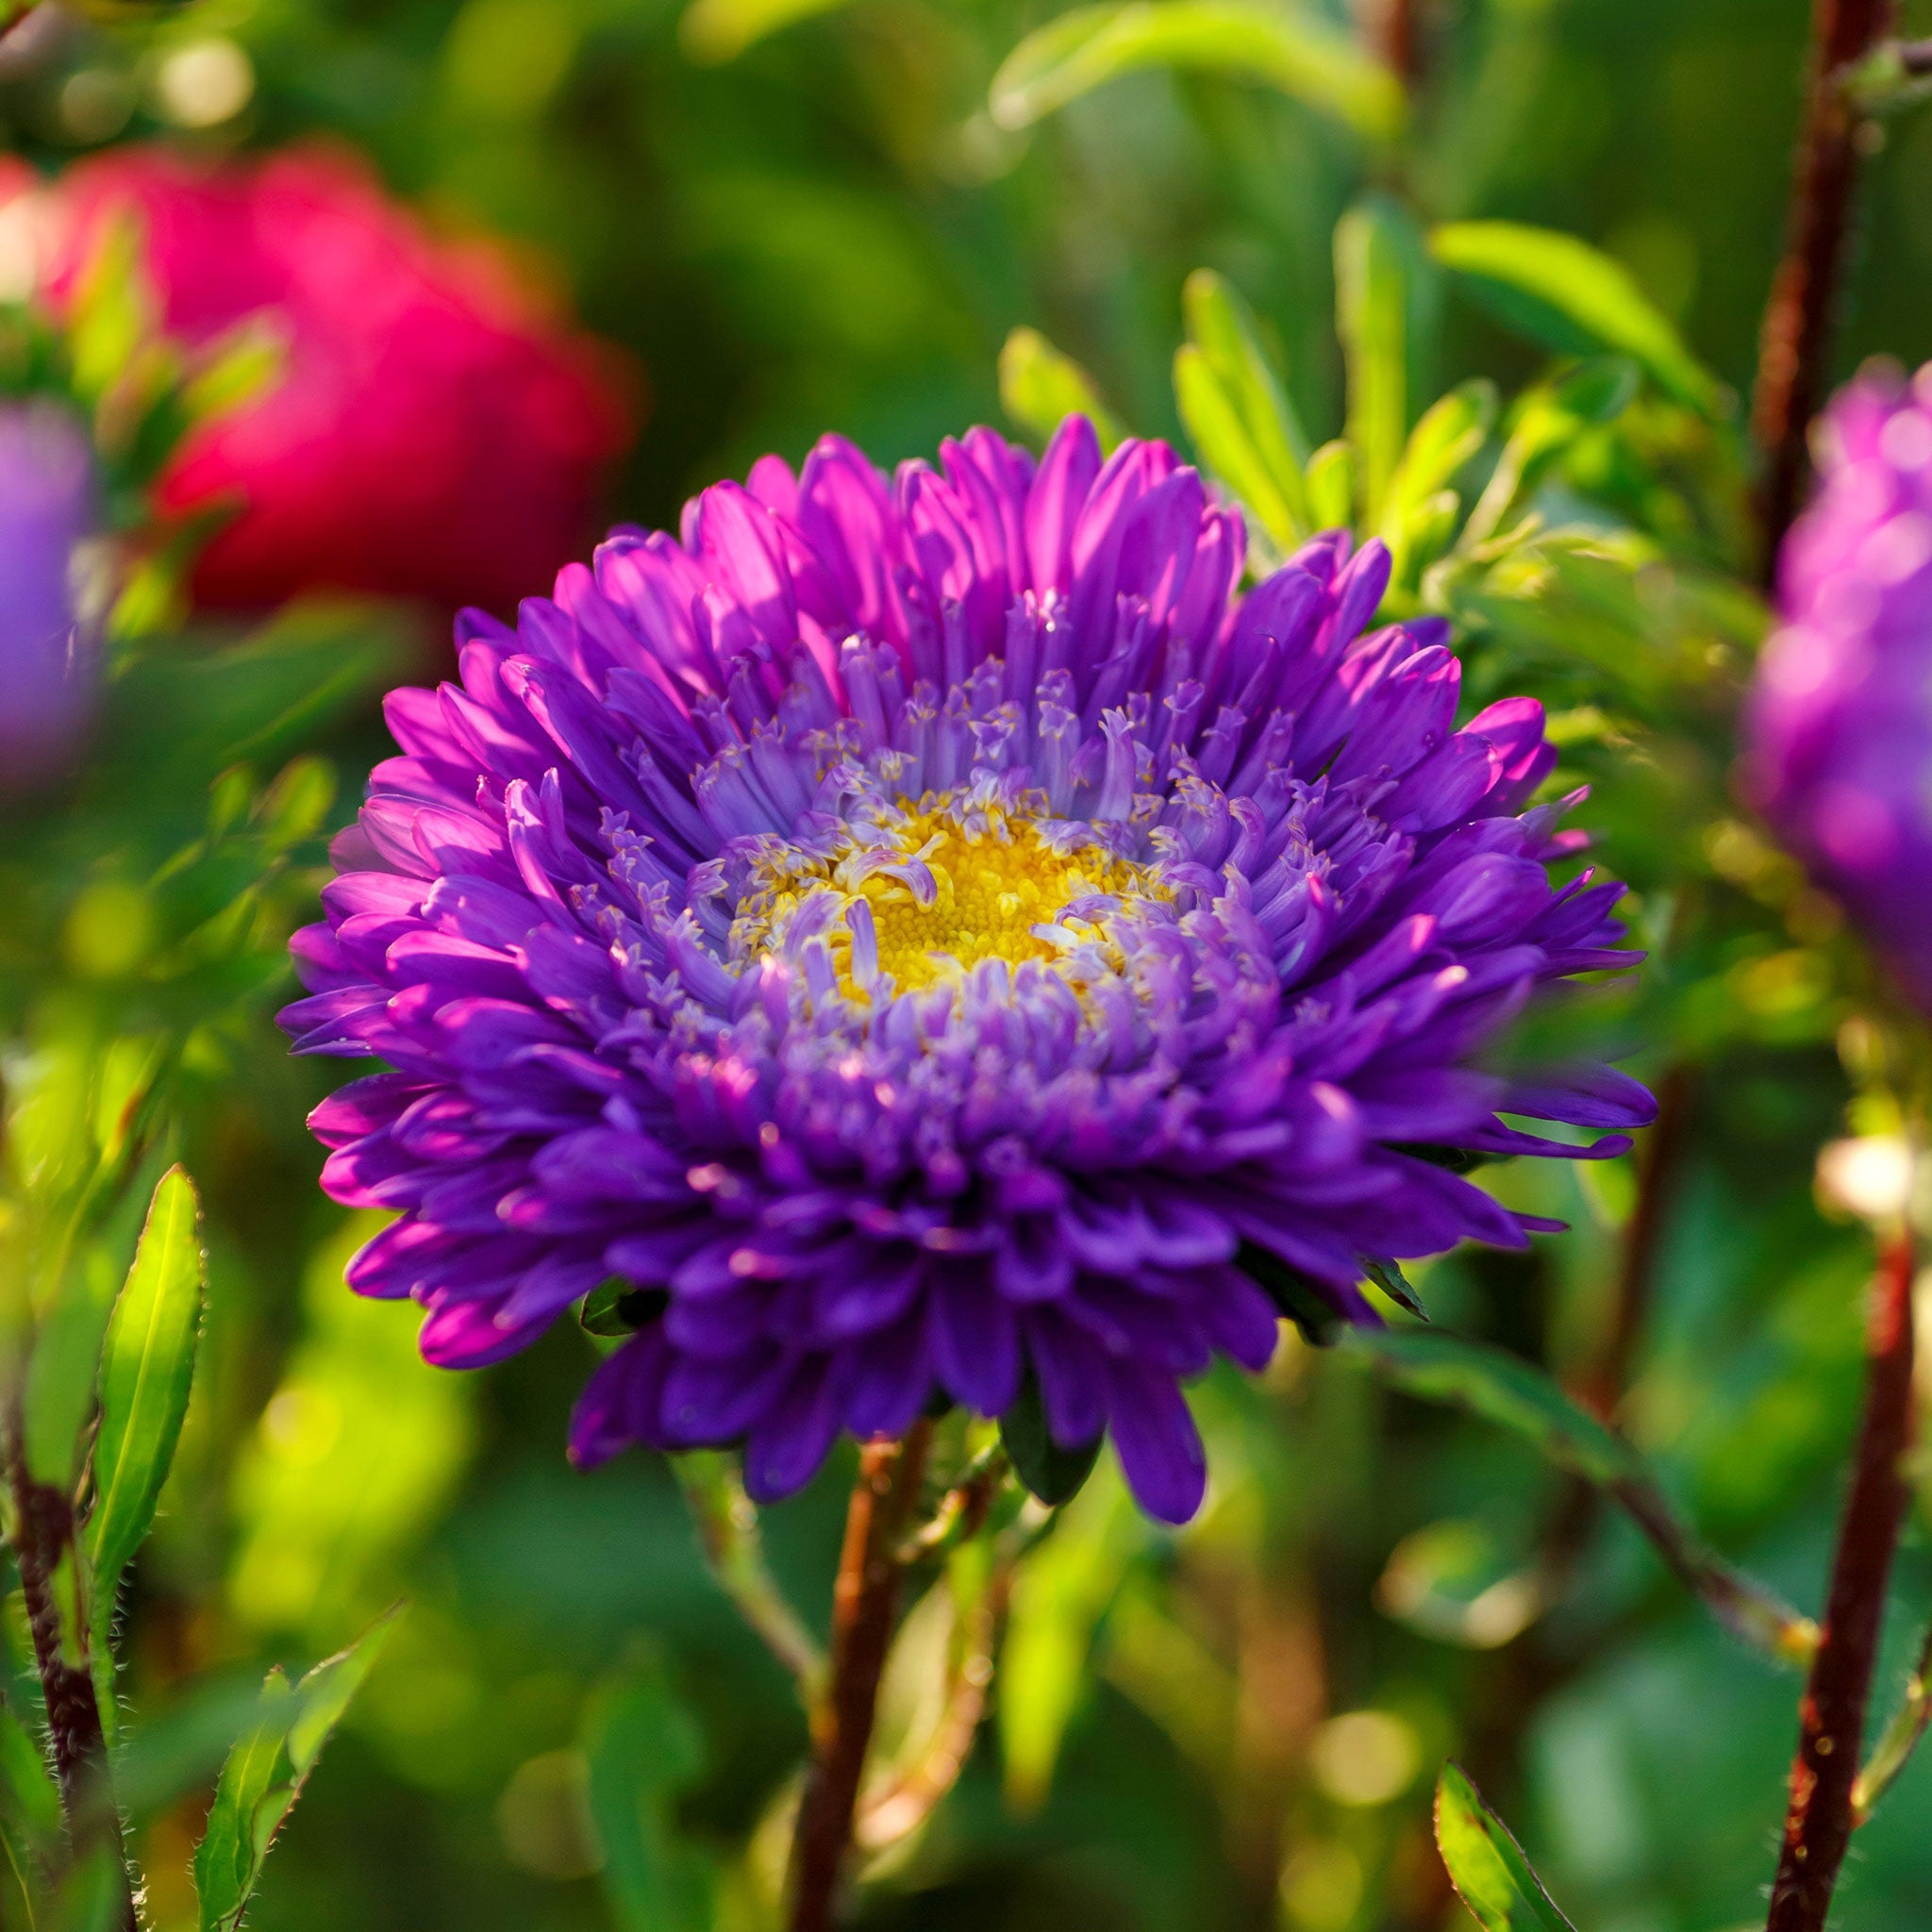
1818,1826
1794,347
864,1602
727,1527
49,1571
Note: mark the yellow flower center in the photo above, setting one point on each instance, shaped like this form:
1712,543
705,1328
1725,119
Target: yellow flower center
996,885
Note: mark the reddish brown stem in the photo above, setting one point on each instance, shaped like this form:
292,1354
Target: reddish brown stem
1818,1826
43,1537
1794,349
1604,1381
864,1603
1397,36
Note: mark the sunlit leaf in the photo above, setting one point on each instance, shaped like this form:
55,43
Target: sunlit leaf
1372,319
1060,1594
1487,1866
1300,54
266,1772
146,1369
715,31
643,1749
1039,387
1331,486
1243,426
1573,298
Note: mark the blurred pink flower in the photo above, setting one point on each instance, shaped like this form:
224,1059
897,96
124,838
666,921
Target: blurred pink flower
434,432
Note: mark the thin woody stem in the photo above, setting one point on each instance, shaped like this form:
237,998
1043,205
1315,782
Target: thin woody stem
1818,1826
1401,38
1795,348
45,1553
865,1601
911,1801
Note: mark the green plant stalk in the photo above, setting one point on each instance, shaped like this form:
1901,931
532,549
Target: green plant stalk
728,1526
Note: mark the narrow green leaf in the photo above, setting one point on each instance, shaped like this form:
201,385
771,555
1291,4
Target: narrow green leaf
1571,297
146,1369
1331,486
1487,1866
643,1749
1443,1367
242,365
326,1693
1452,430
1060,1594
267,1770
1299,53
1041,387
1051,1472
1372,319
226,1861
1243,427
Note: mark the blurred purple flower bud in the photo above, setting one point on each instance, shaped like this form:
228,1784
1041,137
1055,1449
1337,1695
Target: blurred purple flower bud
47,652
1838,729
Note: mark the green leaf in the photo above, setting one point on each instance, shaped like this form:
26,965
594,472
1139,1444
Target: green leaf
1487,1866
1419,515
64,1370
1294,1294
619,1308
715,31
1573,298
1442,1367
29,1806
239,366
1388,1277
1039,387
1060,1594
1300,54
643,1749
146,1369
1243,426
1051,1472
1372,319
1331,486
266,1772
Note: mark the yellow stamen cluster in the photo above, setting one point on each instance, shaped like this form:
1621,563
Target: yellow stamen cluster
995,878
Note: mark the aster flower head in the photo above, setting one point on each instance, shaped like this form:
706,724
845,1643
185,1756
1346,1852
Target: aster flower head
1838,731
925,935
47,510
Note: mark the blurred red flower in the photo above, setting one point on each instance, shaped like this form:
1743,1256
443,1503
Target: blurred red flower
435,431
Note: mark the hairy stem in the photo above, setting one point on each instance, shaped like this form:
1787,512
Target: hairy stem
864,1602
48,1563
1794,347
1818,1826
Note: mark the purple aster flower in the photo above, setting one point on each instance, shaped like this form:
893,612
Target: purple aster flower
1838,731
930,934
46,668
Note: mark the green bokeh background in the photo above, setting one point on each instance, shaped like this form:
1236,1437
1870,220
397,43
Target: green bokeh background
827,232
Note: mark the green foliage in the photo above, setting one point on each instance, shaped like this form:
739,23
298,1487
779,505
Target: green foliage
643,1751
1039,387
1298,52
1053,1474
146,1373
266,1772
1571,299
1492,1876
